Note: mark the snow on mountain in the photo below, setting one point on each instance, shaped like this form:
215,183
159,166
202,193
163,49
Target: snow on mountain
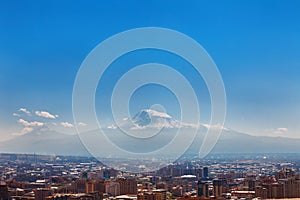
47,141
148,118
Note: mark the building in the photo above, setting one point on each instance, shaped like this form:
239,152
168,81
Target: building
42,193
3,191
277,190
177,191
203,189
154,195
112,188
108,173
251,184
162,185
220,187
93,186
291,187
127,186
146,196
89,187
99,186
243,194
80,185
283,188
205,172
160,194
261,192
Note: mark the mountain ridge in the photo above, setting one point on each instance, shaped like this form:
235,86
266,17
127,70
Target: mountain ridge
230,141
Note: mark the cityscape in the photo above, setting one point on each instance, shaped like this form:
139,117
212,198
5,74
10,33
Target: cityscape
251,176
150,100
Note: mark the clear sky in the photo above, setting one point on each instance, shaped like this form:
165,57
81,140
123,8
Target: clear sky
255,44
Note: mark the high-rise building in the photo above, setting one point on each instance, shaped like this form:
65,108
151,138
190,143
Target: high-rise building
291,187
283,188
89,187
112,188
220,187
277,191
99,186
127,186
3,191
202,189
251,184
106,174
205,172
109,173
198,173
261,192
80,185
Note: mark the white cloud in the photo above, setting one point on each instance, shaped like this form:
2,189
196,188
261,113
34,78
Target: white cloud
82,124
281,130
66,124
45,114
30,124
16,115
24,110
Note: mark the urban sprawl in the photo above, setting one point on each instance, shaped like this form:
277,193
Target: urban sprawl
49,177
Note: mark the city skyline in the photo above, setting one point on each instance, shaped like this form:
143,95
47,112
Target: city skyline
218,176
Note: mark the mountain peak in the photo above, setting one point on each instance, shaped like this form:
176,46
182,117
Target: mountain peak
148,118
148,114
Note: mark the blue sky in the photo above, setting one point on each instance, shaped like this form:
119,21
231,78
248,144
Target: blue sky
255,44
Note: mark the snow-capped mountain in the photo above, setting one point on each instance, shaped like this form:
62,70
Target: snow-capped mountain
148,118
46,141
